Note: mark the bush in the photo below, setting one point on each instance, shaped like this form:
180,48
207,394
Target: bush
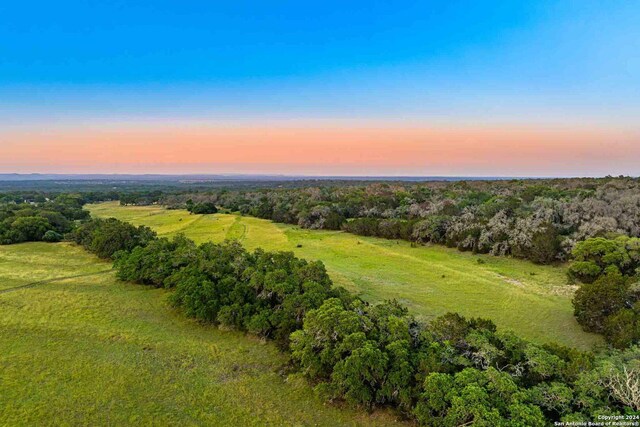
202,208
622,329
362,226
432,229
52,237
545,245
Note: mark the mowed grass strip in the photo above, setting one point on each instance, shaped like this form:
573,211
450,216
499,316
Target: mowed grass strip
532,300
96,351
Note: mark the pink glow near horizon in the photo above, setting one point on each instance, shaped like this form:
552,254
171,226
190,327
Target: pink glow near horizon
322,150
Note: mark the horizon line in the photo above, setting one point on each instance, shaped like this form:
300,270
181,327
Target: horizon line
301,176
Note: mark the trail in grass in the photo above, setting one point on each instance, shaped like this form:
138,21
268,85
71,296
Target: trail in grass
55,279
237,230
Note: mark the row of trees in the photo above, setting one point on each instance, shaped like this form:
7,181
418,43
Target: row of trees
451,371
541,245
608,299
108,237
267,294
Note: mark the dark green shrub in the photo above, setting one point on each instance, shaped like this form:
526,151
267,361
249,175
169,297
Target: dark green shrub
52,236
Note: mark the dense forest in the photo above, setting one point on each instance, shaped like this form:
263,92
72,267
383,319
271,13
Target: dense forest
540,220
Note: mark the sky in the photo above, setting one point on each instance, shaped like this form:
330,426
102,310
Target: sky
475,88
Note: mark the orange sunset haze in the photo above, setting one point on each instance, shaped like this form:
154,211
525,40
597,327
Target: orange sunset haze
318,149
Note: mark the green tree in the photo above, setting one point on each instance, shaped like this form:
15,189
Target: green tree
202,208
316,348
594,302
592,257
29,229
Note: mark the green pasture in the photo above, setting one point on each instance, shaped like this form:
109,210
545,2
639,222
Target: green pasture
532,300
91,350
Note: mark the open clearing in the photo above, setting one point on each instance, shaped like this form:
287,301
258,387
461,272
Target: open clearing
532,300
94,351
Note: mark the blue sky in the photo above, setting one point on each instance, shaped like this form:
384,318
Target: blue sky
453,62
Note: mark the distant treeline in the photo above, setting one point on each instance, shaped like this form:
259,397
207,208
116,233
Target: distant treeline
170,184
539,220
451,371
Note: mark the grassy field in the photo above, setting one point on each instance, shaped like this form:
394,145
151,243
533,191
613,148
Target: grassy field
533,300
21,265
94,351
